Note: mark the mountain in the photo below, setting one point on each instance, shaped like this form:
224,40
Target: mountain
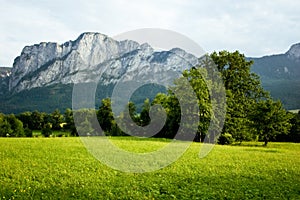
5,72
280,74
43,75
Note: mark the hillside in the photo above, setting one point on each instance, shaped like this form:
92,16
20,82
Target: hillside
43,75
280,75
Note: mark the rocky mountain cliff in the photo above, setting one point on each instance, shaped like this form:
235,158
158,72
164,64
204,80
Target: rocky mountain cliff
281,66
43,75
5,73
94,54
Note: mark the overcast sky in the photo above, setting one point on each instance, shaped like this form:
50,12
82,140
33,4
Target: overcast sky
254,27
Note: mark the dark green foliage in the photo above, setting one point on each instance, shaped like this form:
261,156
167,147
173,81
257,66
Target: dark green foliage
5,127
147,91
85,122
28,132
270,119
69,122
225,138
294,134
243,90
56,120
37,120
44,99
10,126
46,130
144,116
26,118
105,116
251,113
295,130
171,106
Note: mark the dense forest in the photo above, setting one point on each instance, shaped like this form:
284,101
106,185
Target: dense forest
251,114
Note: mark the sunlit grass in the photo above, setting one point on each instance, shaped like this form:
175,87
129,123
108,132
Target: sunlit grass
61,168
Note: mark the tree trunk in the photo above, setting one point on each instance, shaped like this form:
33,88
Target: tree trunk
197,137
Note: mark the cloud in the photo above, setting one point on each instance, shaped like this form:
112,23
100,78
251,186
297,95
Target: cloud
254,27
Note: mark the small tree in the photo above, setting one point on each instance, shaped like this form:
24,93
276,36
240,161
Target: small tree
270,118
69,122
28,132
105,116
46,130
57,119
16,126
144,117
5,127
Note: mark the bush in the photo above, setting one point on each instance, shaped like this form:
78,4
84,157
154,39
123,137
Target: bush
46,131
225,139
28,132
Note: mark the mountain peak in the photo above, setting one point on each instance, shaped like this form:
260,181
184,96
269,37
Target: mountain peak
294,51
94,54
91,35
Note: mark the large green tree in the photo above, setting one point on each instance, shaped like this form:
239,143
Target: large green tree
270,119
243,91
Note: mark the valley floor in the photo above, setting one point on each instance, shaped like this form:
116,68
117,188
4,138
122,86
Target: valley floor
62,168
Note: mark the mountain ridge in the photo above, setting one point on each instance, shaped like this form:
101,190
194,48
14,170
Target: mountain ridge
91,57
54,67
280,75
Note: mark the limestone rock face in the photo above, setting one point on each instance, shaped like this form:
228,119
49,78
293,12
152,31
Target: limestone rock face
294,52
92,56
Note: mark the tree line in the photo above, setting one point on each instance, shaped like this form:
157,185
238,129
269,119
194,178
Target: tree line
251,114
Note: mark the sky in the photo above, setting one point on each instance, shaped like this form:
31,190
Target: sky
255,28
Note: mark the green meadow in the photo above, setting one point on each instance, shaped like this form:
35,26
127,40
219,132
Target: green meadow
62,168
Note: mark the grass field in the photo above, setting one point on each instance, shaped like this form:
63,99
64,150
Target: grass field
61,168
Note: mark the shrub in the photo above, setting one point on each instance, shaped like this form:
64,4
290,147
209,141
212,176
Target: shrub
225,138
46,131
28,132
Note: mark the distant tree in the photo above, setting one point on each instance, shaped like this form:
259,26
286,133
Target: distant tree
5,127
128,121
270,119
28,132
171,106
69,122
16,126
10,126
46,130
105,116
26,119
225,139
37,120
56,119
85,122
144,116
